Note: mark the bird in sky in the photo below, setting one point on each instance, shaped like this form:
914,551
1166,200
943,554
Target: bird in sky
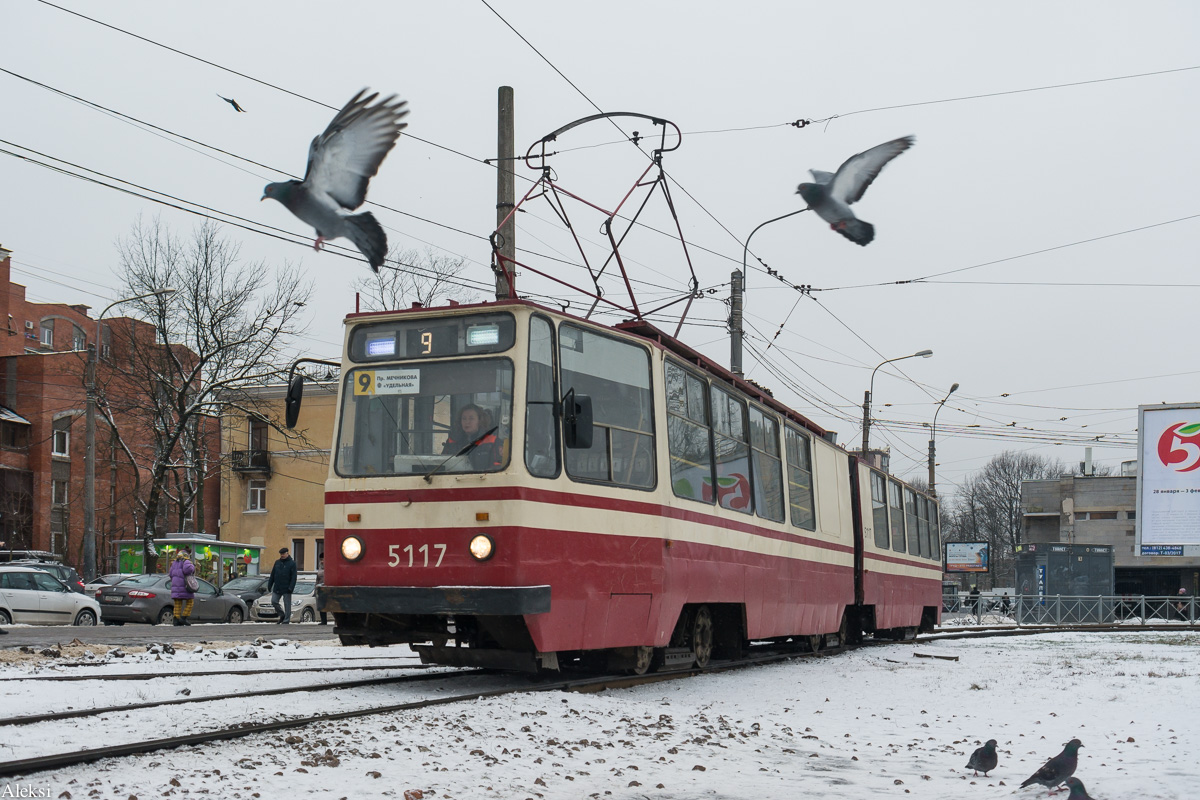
831,194
341,161
1057,769
1077,790
233,103
984,758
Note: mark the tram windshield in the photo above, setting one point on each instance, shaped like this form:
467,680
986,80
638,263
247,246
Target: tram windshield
408,419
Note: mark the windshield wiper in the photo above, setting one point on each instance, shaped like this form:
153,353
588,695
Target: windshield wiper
429,475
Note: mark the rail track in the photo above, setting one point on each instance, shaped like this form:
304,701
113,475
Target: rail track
761,655
143,676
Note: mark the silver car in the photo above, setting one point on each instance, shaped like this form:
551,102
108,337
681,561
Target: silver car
147,598
304,604
35,597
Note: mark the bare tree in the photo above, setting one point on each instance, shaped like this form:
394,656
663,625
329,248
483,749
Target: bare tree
410,276
988,506
225,328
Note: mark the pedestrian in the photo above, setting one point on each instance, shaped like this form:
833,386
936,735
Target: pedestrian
181,569
1181,604
281,584
974,600
320,583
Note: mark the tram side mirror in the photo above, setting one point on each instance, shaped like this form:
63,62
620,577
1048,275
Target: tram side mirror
291,404
577,420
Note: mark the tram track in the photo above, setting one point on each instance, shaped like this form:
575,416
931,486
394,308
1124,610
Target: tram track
141,676
757,657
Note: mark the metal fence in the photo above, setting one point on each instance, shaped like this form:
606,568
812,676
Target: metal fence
1078,609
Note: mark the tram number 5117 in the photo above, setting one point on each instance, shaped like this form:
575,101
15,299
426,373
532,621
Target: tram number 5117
395,558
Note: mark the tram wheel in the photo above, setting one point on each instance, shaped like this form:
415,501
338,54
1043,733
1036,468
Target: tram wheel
702,636
815,642
643,657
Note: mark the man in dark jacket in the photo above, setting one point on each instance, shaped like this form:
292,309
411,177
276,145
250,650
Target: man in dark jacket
281,584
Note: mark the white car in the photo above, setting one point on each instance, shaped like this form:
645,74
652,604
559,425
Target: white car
304,604
33,597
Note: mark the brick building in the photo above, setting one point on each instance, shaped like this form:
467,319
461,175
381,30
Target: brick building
43,354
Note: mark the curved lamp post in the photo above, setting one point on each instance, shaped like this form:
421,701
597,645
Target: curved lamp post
89,455
735,311
866,443
933,435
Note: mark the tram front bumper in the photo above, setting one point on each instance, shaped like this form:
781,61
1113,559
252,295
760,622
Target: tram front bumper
460,600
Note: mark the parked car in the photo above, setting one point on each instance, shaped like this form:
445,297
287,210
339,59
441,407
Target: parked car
35,597
101,581
66,574
147,598
304,604
247,587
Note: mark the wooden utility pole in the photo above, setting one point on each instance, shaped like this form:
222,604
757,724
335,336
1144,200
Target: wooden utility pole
505,190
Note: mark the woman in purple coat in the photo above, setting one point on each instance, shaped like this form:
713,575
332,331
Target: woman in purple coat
180,569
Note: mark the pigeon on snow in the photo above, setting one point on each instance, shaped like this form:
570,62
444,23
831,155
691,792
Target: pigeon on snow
233,103
831,194
341,161
1077,790
1057,769
984,758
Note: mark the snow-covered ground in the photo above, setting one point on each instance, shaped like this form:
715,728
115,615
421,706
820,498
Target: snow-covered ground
876,722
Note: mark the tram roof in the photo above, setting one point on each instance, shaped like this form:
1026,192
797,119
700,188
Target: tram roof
639,328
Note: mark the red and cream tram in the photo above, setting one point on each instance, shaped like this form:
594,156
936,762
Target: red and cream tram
514,487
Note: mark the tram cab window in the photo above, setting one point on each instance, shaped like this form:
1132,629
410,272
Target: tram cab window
732,450
879,509
688,438
616,375
910,516
896,511
800,481
541,434
768,470
409,419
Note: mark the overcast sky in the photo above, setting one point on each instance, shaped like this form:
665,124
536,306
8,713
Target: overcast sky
999,197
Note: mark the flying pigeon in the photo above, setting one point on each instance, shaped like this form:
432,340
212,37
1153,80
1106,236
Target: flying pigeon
233,103
984,758
1077,790
340,163
1057,769
832,193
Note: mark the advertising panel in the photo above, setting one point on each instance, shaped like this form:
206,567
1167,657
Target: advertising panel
966,557
1168,498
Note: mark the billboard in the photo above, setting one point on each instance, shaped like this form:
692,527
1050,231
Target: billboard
1168,497
966,557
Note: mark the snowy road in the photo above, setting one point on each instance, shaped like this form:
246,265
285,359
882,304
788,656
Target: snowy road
872,723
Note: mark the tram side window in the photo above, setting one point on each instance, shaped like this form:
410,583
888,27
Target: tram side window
541,434
935,531
732,449
688,437
896,510
616,375
879,509
910,516
800,481
768,470
923,525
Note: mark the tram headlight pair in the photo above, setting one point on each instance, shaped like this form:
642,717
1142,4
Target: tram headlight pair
352,548
482,547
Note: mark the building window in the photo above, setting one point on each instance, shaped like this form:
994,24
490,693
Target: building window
62,443
79,339
48,332
257,499
58,493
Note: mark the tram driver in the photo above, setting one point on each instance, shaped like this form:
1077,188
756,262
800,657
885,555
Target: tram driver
475,425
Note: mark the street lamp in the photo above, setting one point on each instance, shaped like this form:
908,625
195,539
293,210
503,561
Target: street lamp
933,435
735,311
866,444
89,455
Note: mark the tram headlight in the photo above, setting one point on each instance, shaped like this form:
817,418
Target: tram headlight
482,547
352,548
